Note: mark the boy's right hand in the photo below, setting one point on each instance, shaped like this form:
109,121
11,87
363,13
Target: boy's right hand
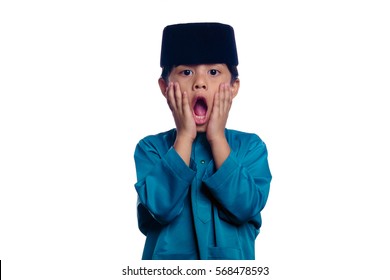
179,104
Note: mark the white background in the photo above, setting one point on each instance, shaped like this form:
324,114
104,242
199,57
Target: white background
78,85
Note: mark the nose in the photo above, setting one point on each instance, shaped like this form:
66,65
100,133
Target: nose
200,83
200,86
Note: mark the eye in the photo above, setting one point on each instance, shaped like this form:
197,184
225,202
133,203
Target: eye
213,72
186,72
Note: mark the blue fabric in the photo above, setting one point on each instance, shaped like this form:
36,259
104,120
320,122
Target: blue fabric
198,212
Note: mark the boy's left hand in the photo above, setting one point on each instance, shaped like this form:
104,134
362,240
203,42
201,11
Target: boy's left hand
219,114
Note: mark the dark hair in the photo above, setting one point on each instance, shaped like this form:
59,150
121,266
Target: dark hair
167,70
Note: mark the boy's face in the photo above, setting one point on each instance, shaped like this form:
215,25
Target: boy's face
201,82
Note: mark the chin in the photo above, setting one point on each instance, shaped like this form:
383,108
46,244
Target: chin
201,128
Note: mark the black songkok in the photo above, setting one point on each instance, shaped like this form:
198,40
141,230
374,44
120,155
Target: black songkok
198,43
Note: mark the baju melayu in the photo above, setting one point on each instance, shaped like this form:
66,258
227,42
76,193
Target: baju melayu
196,211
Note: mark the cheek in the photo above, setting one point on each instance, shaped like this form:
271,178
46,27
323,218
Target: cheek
185,83
185,87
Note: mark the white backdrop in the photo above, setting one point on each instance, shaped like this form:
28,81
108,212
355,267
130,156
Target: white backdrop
78,85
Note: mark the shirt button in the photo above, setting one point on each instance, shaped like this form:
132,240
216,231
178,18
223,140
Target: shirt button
202,161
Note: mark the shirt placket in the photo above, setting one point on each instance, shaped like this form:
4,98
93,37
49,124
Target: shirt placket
201,157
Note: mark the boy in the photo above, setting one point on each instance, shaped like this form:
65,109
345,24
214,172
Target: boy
200,187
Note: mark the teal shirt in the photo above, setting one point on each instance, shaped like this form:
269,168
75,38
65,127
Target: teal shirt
198,212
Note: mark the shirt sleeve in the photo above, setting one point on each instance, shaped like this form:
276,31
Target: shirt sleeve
241,185
162,184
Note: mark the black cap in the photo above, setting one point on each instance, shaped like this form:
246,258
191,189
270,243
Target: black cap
198,43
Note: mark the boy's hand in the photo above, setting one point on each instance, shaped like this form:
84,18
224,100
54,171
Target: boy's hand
219,114
179,104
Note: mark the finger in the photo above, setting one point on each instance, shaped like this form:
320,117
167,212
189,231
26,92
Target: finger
171,97
227,97
217,101
178,97
186,102
223,96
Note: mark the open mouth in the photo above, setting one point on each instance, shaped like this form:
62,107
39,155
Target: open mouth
200,110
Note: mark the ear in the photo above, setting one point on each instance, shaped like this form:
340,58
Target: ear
235,87
163,86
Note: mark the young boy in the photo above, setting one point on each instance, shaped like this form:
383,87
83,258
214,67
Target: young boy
200,187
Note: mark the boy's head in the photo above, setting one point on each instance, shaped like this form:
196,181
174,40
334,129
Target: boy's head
200,57
198,43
